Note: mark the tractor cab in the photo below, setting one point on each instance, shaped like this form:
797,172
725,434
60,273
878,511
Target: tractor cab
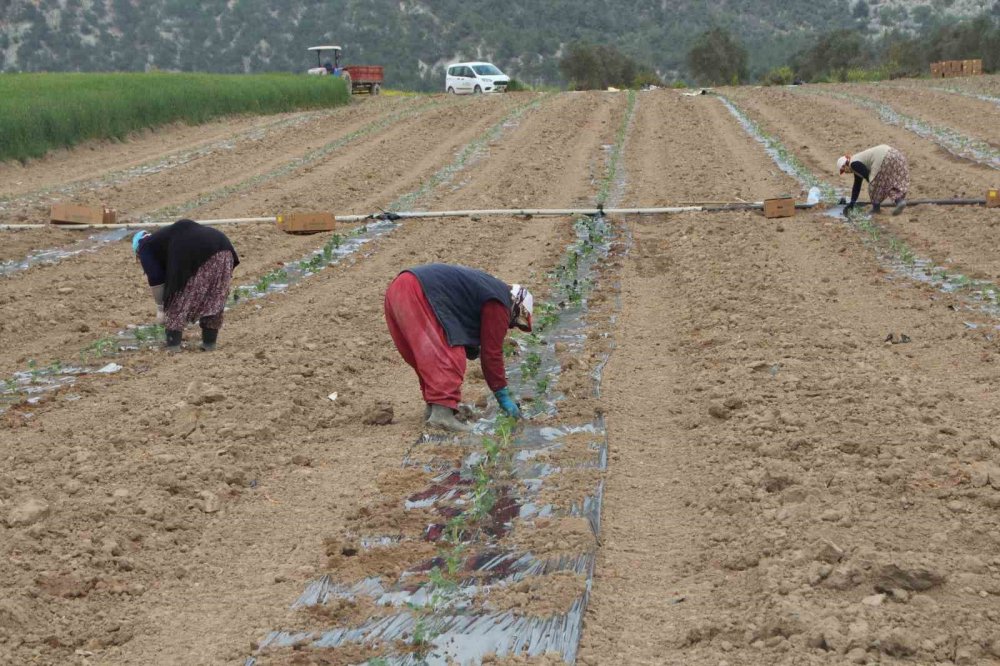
329,64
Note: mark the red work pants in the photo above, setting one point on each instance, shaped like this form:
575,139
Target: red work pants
422,342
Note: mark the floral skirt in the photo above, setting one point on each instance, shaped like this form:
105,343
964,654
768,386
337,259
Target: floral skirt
204,296
893,179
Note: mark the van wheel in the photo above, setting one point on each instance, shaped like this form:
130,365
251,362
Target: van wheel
477,91
451,91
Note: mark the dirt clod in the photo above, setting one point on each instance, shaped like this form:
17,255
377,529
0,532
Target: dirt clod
28,513
380,413
912,579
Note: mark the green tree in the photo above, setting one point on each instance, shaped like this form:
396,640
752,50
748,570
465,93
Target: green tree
717,58
833,56
596,67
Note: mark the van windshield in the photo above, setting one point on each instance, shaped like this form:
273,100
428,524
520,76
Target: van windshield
488,70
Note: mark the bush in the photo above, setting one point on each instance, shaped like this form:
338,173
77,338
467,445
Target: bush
833,56
780,76
717,58
598,67
647,78
40,112
518,86
863,75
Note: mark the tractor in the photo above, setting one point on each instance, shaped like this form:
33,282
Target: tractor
359,78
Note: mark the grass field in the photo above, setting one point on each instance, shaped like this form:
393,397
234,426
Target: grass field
41,112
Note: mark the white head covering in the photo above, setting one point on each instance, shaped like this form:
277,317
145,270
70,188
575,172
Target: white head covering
524,304
842,162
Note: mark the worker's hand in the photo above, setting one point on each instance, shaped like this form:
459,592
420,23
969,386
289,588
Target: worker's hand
848,208
471,353
161,316
507,403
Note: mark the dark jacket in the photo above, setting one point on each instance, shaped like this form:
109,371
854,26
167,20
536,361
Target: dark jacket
174,254
457,294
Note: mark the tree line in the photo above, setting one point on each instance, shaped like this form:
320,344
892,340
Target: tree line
717,56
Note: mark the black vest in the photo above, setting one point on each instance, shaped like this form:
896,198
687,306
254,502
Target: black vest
457,294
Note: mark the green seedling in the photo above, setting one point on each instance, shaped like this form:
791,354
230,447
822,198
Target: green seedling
56,367
105,346
547,317
532,363
34,370
962,282
510,349
440,581
453,560
542,385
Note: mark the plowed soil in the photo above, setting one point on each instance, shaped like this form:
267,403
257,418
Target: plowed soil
784,485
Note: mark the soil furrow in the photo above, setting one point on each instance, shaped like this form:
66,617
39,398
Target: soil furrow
973,117
220,168
98,158
106,288
689,149
957,238
819,129
275,371
781,460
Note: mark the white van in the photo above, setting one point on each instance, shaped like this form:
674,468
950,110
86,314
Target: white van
475,78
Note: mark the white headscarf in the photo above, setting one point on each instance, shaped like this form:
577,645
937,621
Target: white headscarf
524,303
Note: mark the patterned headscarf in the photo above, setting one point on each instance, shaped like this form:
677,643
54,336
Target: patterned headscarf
523,304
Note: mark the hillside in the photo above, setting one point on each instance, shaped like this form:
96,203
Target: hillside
415,39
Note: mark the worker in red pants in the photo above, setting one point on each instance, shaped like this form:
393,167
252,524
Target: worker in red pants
439,316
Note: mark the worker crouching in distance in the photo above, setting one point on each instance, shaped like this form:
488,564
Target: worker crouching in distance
887,173
189,268
439,316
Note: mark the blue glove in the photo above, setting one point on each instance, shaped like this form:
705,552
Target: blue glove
507,403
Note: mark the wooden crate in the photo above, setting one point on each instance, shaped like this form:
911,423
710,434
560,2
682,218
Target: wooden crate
79,214
993,198
779,207
307,223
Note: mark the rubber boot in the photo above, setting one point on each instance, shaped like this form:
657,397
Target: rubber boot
900,207
444,418
208,338
173,341
427,412
876,209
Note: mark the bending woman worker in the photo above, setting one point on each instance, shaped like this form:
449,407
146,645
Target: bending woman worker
886,171
189,268
440,315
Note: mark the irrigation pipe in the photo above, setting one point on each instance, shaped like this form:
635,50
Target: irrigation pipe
930,202
135,225
509,212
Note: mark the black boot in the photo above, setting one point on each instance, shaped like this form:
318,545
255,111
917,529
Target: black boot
173,341
208,338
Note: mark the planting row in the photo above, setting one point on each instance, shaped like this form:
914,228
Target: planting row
29,387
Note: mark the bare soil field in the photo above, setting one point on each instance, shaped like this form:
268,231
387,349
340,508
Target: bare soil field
783,483
979,85
818,129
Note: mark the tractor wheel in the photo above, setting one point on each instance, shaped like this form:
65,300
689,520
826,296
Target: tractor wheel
477,91
376,89
346,76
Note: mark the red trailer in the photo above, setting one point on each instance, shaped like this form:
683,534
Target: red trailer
364,78
360,78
